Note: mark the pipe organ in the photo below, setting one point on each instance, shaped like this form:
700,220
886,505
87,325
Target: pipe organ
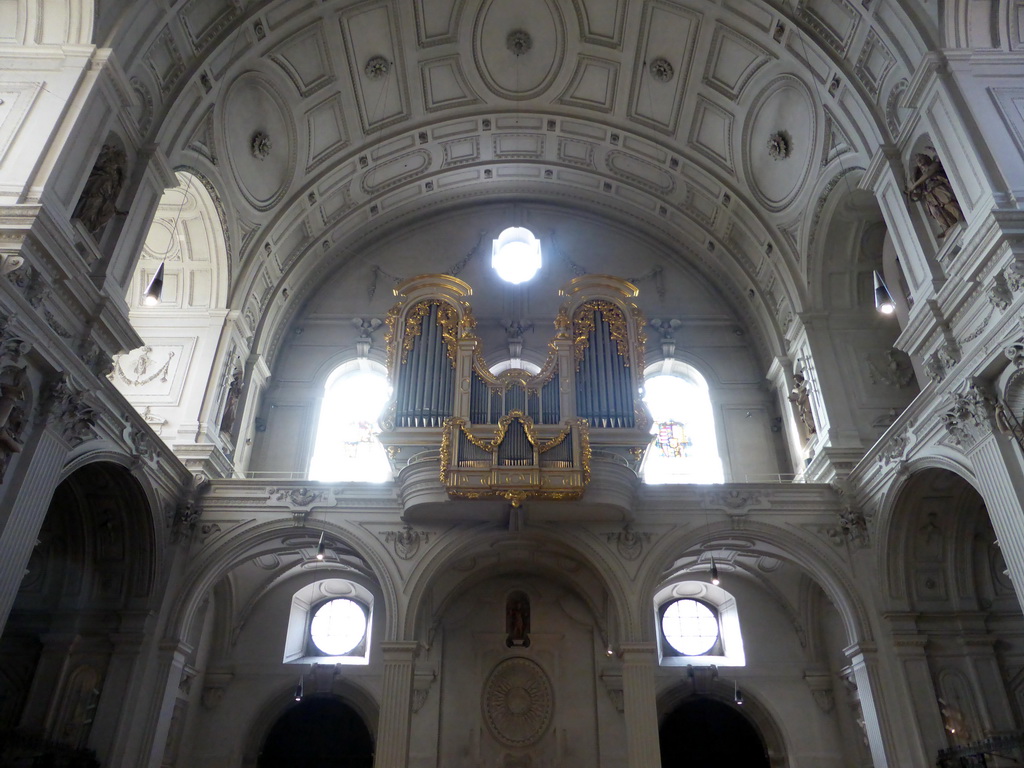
515,434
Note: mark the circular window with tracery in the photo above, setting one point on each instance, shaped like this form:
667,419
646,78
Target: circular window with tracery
338,627
690,627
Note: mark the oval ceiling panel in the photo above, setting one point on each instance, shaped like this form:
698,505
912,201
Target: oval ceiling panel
779,140
518,46
260,141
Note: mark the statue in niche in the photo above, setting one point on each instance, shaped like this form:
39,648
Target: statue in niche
98,203
227,420
931,186
800,397
517,620
13,419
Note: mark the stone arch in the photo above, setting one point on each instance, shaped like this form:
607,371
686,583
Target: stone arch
90,577
721,689
527,552
280,701
266,538
680,552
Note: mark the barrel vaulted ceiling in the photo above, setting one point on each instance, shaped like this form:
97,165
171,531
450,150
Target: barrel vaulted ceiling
719,129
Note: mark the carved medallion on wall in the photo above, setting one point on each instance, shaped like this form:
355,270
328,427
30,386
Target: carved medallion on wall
517,702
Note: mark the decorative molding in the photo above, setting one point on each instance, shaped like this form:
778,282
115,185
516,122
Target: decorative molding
969,417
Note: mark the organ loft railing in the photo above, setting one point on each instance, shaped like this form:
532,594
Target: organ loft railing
515,435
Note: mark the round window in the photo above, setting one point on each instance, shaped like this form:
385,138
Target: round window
338,626
690,627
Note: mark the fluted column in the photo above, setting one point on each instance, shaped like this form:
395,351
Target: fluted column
395,705
641,709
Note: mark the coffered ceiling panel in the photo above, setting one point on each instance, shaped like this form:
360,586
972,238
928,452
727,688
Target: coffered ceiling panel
305,59
661,71
733,59
601,21
518,46
437,20
373,45
592,85
327,133
445,85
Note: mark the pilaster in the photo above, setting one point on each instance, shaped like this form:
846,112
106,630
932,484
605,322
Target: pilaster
396,704
641,710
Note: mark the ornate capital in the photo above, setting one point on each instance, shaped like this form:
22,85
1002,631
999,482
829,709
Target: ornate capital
970,416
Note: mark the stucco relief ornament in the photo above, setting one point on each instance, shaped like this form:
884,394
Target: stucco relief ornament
930,186
260,145
519,41
969,417
406,542
142,369
70,409
629,543
298,497
377,67
661,70
517,702
778,145
895,372
734,502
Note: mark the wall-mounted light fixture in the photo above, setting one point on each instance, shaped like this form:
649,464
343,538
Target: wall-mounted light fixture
883,299
154,293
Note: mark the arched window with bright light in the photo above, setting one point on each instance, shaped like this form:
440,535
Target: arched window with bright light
347,448
684,448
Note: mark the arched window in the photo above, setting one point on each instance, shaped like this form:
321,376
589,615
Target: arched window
698,624
685,447
347,448
330,623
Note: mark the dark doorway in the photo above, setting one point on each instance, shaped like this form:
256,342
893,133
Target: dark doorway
703,733
319,733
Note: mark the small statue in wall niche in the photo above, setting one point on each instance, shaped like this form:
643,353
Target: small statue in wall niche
13,419
517,620
931,186
227,420
98,203
800,397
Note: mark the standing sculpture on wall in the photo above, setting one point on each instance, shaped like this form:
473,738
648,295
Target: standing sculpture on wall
227,420
98,202
931,186
517,620
800,397
14,386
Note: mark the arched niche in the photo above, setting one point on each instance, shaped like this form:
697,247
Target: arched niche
90,577
175,380
851,244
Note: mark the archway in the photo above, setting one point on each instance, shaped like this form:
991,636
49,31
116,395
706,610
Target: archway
703,731
62,678
320,731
